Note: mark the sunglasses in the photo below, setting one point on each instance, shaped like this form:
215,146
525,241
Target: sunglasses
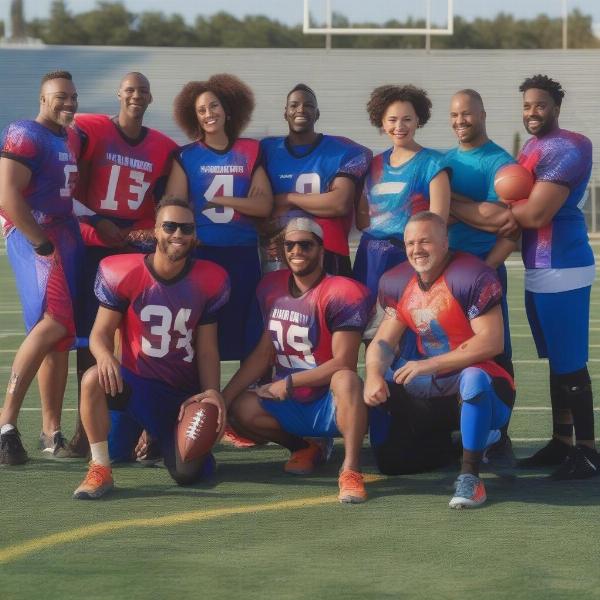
304,245
172,226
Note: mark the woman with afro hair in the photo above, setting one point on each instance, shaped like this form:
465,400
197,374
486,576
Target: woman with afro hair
403,180
221,174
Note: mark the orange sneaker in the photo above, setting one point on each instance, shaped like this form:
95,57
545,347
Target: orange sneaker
304,461
352,487
97,482
235,439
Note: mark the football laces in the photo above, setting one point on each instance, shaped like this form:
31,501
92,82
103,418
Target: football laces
196,423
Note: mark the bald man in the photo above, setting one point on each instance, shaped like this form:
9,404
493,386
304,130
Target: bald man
38,171
474,163
123,169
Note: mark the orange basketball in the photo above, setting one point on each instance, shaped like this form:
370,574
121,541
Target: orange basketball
513,182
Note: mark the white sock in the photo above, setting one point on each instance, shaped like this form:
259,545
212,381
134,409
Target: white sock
6,428
100,453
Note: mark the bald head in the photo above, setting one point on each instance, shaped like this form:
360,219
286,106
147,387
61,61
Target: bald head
467,118
135,77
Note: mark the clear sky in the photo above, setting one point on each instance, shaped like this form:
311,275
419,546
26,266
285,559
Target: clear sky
290,11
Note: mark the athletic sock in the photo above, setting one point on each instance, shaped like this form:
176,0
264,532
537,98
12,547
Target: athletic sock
99,452
559,403
579,392
471,461
6,428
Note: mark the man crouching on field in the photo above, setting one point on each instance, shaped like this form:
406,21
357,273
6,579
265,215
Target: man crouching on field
451,301
313,325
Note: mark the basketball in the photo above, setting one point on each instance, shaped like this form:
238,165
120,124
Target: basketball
513,182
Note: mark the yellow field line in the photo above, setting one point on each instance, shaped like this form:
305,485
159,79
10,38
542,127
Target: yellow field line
12,553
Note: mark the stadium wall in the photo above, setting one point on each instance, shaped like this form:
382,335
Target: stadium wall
342,80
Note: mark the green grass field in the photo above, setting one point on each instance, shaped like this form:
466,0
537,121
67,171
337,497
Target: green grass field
257,533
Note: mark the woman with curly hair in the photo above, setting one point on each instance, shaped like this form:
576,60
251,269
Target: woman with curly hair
403,180
221,174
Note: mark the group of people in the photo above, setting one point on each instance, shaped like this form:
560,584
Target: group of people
158,261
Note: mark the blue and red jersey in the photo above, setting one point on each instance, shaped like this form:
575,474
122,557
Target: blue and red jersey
212,173
125,177
440,315
565,158
394,194
302,327
311,170
160,317
52,159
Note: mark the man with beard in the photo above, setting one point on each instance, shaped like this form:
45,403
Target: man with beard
165,306
315,174
559,271
313,330
38,172
451,301
123,169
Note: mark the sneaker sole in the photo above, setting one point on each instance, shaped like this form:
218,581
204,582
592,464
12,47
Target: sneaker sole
93,495
460,503
299,471
351,499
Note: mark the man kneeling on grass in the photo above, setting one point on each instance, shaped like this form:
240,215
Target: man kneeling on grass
313,325
165,306
451,301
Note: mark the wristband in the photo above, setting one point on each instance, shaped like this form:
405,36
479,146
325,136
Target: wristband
289,386
45,248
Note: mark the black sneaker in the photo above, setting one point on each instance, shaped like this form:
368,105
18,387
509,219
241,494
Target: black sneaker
551,455
582,463
11,449
499,457
55,446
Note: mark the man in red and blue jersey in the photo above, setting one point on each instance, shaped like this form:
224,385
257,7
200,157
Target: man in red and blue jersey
315,174
38,171
559,271
165,306
451,302
313,326
123,169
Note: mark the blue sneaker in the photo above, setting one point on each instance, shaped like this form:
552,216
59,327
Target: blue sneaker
469,492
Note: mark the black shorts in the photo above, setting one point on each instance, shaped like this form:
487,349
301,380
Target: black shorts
419,437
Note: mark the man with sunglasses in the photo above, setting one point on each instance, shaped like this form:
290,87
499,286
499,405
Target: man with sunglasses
165,306
314,323
38,172
123,169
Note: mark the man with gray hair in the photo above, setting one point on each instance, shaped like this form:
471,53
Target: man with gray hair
313,326
451,301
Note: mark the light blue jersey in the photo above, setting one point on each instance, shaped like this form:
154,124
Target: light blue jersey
473,173
395,194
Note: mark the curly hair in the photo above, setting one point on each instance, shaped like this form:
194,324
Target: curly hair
234,95
543,82
385,95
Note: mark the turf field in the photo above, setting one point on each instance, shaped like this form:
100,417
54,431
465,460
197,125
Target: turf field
257,533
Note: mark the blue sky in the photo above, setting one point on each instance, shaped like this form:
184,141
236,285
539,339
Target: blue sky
290,11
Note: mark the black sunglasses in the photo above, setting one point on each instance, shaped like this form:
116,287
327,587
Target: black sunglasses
305,245
172,226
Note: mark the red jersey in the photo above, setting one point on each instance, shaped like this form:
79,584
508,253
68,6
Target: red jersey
160,317
440,315
123,173
302,327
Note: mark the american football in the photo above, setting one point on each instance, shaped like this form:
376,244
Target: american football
197,431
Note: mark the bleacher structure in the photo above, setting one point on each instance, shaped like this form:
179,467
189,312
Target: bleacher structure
342,80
